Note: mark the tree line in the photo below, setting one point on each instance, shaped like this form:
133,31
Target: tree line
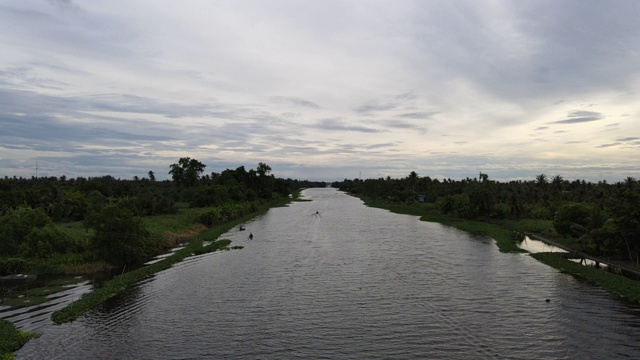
603,219
31,210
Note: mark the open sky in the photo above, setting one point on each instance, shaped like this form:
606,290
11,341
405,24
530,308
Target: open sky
322,89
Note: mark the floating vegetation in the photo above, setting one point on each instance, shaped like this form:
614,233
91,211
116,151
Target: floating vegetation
11,339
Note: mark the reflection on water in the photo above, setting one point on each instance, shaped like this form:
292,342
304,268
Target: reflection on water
588,262
536,246
334,279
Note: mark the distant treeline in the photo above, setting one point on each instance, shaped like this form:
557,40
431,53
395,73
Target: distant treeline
31,210
603,218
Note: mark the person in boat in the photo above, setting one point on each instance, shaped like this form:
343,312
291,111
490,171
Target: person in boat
250,236
241,228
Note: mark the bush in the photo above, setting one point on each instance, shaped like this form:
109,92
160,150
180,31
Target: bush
14,265
11,339
570,217
43,242
501,211
16,225
538,212
120,237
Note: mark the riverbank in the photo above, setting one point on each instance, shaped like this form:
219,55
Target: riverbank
506,236
11,339
120,283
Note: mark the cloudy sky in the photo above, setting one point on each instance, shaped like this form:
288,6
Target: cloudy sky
321,90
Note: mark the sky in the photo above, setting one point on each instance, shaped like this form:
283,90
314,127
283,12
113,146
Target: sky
321,90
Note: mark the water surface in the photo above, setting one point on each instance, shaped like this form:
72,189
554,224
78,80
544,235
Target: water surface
351,282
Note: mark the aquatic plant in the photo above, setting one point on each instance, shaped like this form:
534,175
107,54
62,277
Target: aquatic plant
11,339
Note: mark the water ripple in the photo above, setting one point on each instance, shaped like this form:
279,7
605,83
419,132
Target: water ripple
350,283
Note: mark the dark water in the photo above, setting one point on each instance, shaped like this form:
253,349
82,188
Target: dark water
351,283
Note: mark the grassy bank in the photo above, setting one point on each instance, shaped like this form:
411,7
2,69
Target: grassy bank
120,283
625,288
11,339
504,237
505,233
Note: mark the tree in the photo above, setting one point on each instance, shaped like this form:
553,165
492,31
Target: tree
542,180
16,225
413,180
187,171
152,176
263,169
120,238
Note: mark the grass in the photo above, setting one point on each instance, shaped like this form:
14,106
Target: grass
35,296
11,339
625,288
120,283
505,232
503,236
24,301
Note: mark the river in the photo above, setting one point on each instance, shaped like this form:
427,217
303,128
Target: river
351,282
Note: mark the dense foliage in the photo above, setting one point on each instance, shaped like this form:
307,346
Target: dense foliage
32,211
11,339
602,219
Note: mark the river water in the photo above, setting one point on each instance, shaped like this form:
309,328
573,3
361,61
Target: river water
351,282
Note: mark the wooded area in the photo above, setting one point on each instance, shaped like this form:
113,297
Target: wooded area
40,217
601,219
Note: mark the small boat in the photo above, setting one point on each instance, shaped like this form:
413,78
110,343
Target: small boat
241,228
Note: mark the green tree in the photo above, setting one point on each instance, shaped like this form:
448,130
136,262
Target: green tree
120,237
187,171
572,219
16,225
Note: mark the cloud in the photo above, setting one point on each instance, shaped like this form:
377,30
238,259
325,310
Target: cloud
608,145
372,107
295,101
310,85
628,138
419,115
337,125
576,117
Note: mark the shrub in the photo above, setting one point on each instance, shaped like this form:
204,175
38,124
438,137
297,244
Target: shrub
11,339
16,225
120,237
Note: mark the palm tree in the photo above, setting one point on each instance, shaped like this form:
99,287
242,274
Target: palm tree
413,179
541,180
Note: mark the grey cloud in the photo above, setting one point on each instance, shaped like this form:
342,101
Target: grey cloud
336,125
64,4
419,115
295,101
608,145
407,96
55,28
20,101
382,145
374,107
582,113
576,117
630,138
576,120
398,124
